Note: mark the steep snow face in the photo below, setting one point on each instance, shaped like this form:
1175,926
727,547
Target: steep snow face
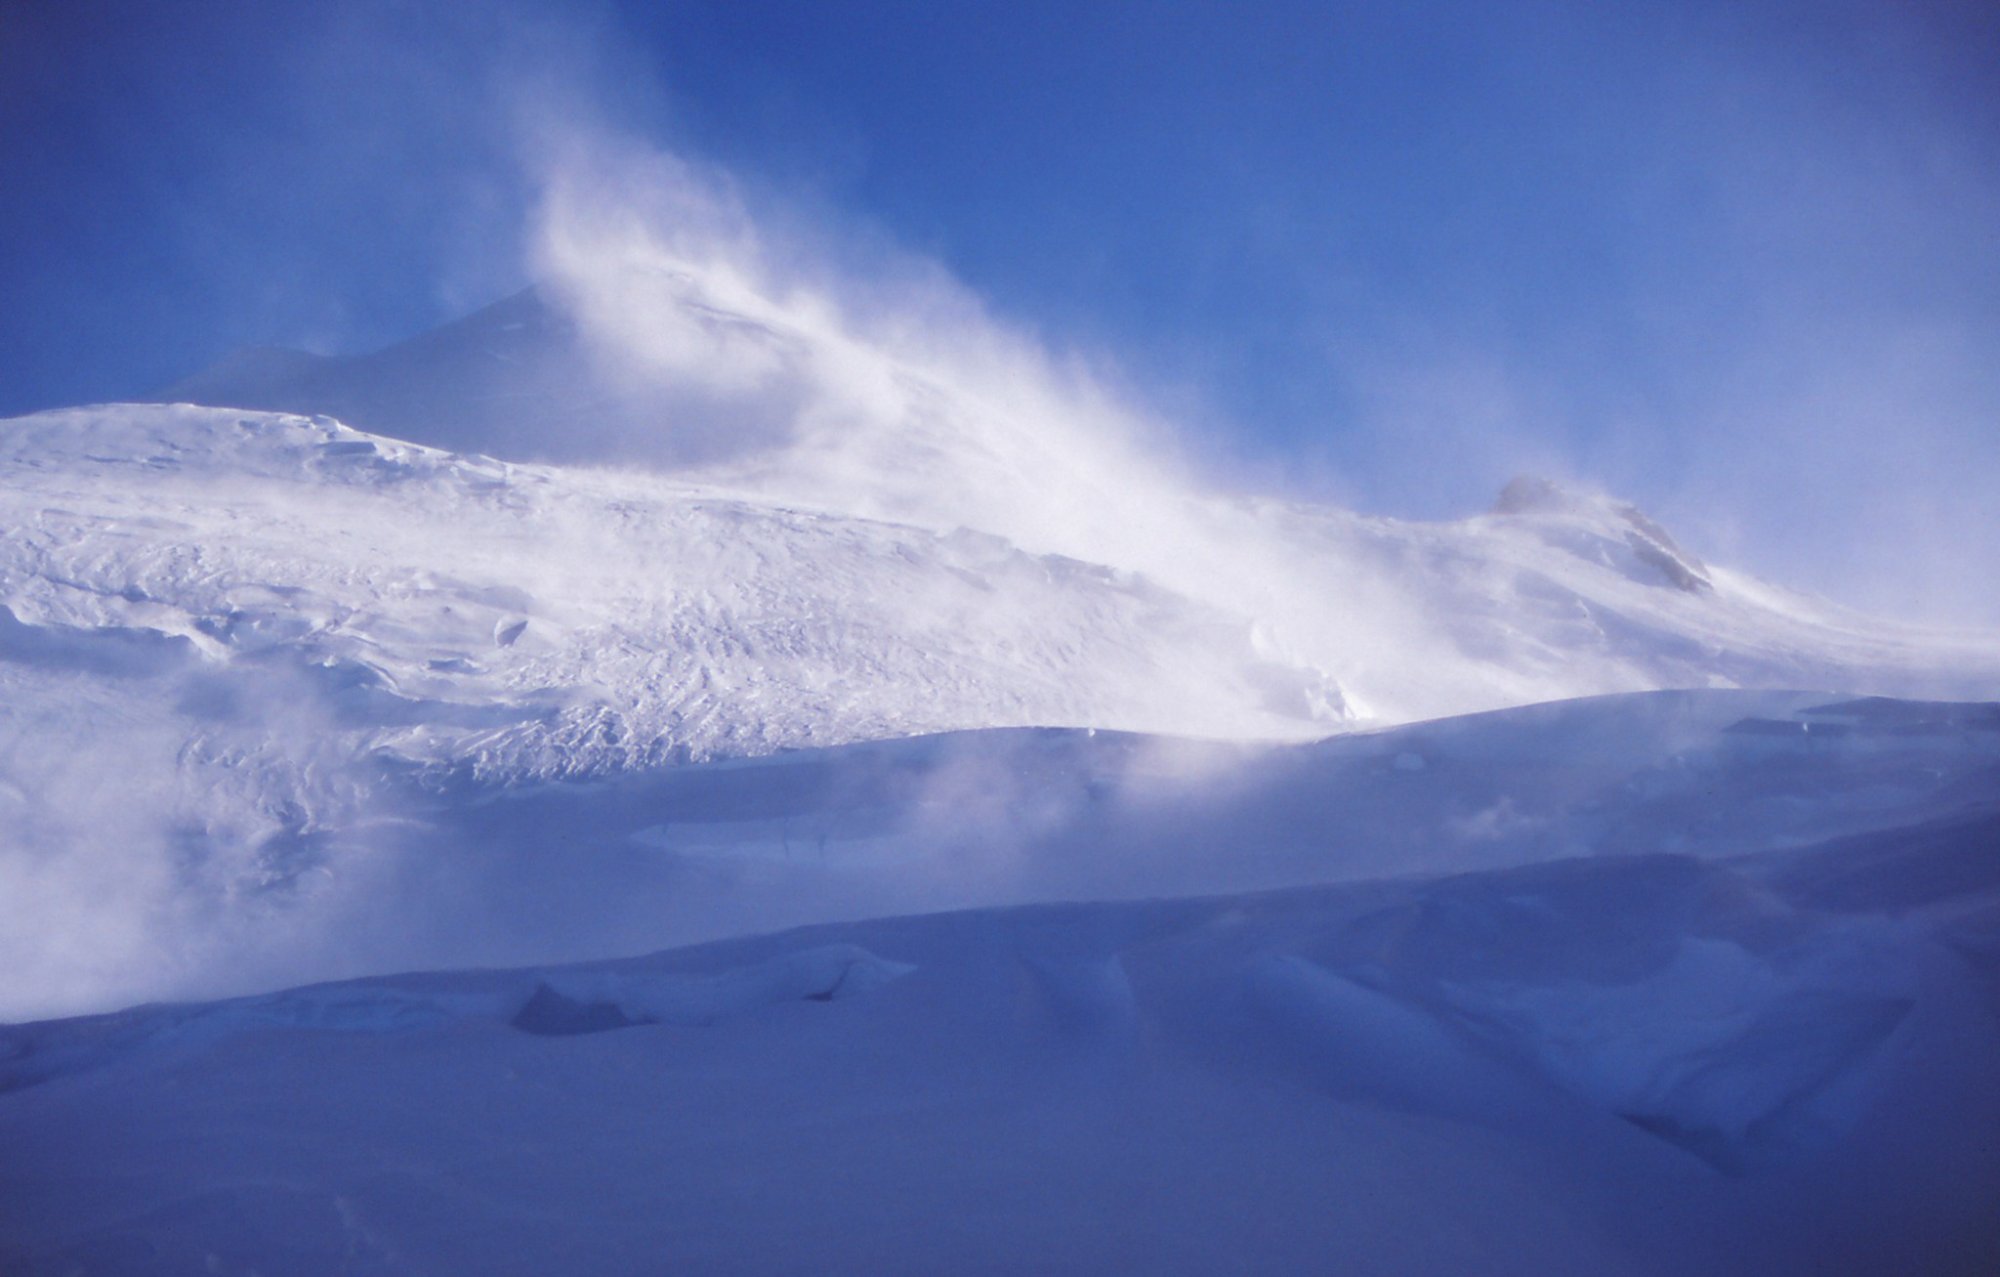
515,379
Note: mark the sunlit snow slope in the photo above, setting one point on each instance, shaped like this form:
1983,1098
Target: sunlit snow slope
231,643
275,588
686,367
535,622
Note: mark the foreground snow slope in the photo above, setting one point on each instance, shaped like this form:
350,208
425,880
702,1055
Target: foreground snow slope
1658,1062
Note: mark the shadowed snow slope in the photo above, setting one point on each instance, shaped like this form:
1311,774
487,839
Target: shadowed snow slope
1641,1064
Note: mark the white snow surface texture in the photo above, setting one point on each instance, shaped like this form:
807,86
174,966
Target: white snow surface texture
229,638
536,621
1419,926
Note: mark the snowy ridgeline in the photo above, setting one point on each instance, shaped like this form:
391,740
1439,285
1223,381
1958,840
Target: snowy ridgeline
1779,1063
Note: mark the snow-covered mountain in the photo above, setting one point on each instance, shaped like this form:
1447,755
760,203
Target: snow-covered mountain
651,609
741,759
231,640
446,611
681,369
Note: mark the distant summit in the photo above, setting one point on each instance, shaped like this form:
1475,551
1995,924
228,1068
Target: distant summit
1649,545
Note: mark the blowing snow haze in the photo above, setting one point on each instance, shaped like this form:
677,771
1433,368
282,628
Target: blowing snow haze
495,494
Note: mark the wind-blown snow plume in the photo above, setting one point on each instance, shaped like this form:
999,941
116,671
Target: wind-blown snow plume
797,368
898,396
894,395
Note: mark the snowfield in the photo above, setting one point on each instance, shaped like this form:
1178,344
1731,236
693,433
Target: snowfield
1641,1060
640,357
1042,864
237,649
544,622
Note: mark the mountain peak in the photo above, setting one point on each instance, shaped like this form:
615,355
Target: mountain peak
1648,551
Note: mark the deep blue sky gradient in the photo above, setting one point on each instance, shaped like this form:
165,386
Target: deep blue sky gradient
1741,261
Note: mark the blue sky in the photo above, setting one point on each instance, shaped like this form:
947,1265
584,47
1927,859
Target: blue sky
1738,261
